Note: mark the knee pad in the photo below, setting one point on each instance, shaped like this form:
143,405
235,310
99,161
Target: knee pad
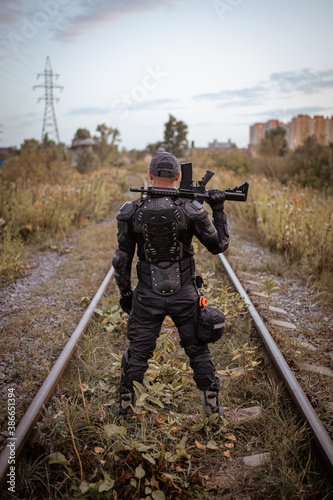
204,371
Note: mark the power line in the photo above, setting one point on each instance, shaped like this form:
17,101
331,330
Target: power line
50,126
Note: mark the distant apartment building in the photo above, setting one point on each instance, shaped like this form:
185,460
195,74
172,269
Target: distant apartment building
329,130
256,133
297,130
317,128
258,130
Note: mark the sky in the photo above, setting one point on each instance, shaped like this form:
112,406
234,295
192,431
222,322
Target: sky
218,65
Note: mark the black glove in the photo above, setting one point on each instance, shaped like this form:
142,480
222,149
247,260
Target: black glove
126,302
216,199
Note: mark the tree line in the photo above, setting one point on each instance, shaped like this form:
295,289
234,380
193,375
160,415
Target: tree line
311,164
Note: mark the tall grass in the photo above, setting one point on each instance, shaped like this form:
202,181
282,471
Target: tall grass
35,210
48,198
297,221
290,219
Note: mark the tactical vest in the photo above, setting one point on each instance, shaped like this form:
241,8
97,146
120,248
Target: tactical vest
160,221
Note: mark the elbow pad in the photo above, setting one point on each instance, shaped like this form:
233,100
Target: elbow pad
122,264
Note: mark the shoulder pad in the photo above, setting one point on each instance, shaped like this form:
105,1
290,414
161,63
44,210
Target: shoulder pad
126,210
193,207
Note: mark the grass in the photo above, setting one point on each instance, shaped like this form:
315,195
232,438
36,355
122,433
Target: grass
38,331
165,454
170,452
43,213
295,222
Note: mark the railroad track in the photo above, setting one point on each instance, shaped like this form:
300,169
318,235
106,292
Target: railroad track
26,426
27,423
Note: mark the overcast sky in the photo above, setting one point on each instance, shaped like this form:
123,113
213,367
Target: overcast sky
218,65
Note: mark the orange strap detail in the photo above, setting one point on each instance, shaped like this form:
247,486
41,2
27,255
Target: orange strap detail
202,302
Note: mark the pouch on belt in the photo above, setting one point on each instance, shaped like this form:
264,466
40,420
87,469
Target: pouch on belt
211,322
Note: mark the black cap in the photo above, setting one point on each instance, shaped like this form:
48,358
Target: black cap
164,164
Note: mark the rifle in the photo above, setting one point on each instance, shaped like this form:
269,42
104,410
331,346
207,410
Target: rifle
194,189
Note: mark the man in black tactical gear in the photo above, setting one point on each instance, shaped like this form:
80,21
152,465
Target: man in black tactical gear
162,228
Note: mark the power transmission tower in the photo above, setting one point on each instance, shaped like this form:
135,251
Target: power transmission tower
50,126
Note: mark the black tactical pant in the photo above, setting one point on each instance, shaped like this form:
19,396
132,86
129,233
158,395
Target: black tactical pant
144,326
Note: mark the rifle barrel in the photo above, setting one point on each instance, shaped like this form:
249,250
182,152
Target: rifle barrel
230,194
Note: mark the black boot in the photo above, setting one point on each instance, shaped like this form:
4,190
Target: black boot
124,408
210,402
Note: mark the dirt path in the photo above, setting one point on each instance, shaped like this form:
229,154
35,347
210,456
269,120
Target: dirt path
18,295
41,309
299,323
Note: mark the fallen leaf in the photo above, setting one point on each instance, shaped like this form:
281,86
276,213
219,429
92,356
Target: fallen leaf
231,437
182,454
200,446
133,482
58,458
158,495
226,453
106,485
148,457
212,445
167,479
98,449
140,472
84,487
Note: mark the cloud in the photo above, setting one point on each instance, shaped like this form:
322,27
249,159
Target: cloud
94,13
155,104
305,80
9,14
302,110
247,96
205,124
89,111
169,105
70,19
122,107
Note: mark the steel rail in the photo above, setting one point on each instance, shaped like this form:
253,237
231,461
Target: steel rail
29,419
324,442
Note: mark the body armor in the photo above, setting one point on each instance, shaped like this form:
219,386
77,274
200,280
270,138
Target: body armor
160,221
162,230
